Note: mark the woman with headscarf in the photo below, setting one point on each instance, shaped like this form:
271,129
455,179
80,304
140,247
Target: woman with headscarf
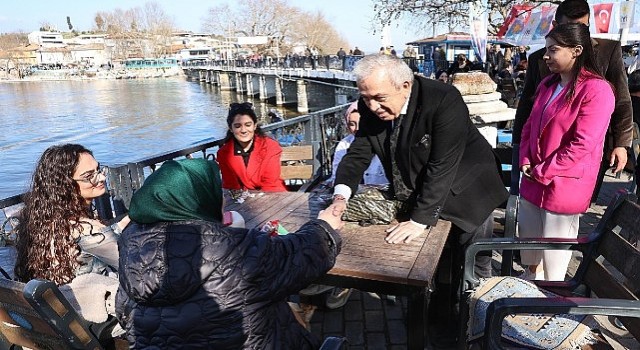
187,281
374,175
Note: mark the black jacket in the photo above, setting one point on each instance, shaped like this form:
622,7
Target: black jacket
441,156
609,59
197,285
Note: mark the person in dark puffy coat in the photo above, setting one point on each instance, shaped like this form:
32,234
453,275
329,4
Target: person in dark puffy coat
188,282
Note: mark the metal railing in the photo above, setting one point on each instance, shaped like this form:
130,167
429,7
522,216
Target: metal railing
327,62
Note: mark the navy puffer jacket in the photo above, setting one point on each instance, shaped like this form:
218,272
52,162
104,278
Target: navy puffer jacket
196,285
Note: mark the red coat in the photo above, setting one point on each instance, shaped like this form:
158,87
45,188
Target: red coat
263,171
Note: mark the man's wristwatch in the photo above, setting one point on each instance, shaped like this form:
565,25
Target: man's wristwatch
339,197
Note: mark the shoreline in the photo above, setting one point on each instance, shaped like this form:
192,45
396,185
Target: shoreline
113,74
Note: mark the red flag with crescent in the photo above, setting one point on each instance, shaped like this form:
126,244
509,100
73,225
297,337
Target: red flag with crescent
602,17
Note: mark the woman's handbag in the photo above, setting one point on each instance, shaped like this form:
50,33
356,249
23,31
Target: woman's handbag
371,206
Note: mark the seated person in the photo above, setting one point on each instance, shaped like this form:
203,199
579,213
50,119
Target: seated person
60,236
521,70
61,239
442,76
374,175
248,159
187,281
460,65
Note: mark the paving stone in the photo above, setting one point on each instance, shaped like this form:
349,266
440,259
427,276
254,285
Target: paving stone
354,331
353,310
316,328
374,320
397,331
333,321
376,341
394,311
371,303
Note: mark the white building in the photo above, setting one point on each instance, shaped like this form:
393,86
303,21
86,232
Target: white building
46,39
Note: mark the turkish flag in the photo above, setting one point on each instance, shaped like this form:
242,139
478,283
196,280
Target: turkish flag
602,17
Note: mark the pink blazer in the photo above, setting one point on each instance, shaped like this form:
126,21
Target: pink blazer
563,144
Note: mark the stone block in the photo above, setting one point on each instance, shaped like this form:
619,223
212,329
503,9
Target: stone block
474,83
480,108
492,96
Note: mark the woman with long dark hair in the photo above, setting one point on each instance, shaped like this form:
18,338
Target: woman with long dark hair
561,147
249,160
59,235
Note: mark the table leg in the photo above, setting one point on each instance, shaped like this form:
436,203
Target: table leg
416,316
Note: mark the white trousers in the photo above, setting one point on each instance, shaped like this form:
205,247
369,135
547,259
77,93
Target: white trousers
535,222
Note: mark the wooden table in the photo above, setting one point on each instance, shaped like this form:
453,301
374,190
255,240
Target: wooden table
365,262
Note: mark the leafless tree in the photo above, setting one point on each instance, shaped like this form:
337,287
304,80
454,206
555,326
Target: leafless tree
139,31
314,30
284,24
452,14
10,54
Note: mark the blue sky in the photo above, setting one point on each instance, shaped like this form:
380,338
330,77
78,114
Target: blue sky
352,18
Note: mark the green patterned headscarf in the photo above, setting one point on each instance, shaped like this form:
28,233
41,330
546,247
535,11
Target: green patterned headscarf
180,190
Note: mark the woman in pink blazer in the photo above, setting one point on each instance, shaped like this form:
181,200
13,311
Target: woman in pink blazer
561,147
248,159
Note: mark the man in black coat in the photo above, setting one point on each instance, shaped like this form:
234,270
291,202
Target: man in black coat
435,157
608,55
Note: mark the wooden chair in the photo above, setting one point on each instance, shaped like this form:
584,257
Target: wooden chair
36,315
610,268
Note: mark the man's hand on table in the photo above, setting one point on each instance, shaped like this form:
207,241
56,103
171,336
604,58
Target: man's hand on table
404,232
333,214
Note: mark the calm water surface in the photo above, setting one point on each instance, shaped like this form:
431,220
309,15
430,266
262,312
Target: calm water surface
119,120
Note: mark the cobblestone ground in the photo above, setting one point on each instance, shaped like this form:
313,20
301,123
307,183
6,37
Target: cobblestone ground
373,322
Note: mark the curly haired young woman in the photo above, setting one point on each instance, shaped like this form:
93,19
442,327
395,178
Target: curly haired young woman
60,236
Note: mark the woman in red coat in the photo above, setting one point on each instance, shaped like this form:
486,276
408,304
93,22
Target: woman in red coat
248,159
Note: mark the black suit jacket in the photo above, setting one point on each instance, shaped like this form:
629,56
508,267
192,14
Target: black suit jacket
609,59
442,157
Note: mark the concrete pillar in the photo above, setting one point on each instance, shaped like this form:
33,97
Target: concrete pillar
239,82
249,78
303,104
225,81
201,75
213,77
262,83
279,93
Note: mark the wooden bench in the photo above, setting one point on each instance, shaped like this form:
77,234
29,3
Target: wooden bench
36,315
610,269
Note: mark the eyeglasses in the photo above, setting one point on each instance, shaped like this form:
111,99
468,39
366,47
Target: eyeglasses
240,106
94,177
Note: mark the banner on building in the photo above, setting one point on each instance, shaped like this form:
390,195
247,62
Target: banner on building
602,16
478,25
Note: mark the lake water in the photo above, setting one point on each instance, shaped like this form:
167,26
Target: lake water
119,120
